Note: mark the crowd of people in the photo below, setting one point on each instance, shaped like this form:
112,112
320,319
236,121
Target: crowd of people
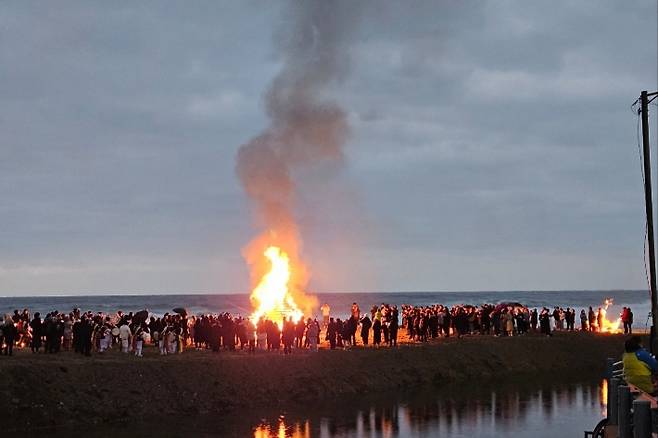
508,319
172,333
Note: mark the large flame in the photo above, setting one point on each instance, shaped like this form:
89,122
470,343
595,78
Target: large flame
272,298
608,326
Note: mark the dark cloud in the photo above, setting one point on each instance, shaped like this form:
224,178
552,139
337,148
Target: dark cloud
492,146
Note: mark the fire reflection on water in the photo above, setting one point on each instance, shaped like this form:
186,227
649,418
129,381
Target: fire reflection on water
281,430
572,408
603,396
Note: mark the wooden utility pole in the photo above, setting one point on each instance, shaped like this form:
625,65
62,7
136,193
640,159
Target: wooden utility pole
648,203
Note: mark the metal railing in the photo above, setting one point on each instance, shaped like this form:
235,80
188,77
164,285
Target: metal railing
631,413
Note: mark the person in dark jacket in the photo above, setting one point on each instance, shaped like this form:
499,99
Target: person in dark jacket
545,322
377,332
10,333
627,319
215,336
583,320
288,335
393,328
77,340
300,328
85,332
534,319
592,319
365,329
332,333
36,333
350,330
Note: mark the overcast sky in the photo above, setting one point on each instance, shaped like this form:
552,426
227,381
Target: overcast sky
492,146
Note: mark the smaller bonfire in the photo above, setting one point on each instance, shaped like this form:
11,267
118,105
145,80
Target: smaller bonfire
608,326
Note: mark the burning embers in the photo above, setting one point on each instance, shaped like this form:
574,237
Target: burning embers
272,298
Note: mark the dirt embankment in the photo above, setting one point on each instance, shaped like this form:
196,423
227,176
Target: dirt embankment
46,390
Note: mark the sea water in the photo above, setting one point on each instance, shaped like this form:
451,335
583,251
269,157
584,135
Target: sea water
340,303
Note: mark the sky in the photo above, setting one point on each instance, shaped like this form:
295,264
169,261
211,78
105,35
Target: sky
491,146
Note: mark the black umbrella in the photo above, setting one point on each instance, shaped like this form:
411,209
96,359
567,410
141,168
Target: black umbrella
501,306
506,305
181,311
142,315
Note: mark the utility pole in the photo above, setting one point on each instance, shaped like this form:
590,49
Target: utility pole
648,203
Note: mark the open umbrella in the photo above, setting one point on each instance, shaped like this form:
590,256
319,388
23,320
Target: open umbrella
181,311
501,306
141,316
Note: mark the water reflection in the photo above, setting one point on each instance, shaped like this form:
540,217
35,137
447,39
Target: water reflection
569,409
281,430
475,411
603,396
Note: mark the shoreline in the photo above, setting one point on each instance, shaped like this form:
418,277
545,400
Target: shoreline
63,389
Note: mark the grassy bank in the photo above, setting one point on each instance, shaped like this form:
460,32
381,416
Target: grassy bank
46,390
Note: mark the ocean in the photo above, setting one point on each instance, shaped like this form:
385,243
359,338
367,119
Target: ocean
340,303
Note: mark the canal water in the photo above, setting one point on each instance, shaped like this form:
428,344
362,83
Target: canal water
565,410
506,410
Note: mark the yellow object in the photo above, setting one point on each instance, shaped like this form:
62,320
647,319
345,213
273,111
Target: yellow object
637,372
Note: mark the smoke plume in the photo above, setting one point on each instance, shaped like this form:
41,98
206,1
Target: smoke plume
306,126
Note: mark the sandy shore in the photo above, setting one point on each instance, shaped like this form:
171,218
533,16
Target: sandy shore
48,390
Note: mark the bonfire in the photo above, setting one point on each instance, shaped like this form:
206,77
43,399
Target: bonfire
608,326
272,298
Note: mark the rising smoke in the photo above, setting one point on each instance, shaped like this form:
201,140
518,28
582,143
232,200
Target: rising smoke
306,126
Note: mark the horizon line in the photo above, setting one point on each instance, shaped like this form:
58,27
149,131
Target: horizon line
140,294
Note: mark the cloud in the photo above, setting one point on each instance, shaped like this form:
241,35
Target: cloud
491,146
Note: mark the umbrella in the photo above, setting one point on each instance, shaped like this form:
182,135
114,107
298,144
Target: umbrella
506,305
181,311
142,315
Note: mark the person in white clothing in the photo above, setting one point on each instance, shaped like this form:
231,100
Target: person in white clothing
325,314
124,335
106,339
171,341
162,341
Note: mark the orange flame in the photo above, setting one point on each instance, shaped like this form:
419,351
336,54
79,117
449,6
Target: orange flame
272,298
608,326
